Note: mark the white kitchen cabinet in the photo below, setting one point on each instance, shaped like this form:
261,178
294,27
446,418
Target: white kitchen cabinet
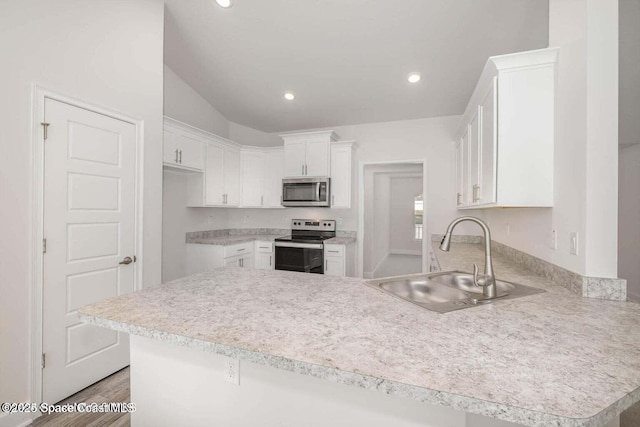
253,172
341,154
307,154
339,260
182,148
506,135
201,257
261,177
222,175
264,255
273,174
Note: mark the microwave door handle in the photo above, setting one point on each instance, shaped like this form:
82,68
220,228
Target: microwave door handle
318,190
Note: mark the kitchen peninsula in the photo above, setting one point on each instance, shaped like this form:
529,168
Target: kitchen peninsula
311,346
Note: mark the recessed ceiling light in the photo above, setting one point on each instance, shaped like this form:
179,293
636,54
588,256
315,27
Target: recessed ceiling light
225,3
414,77
289,96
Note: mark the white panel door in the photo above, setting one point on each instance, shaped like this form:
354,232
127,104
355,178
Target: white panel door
488,145
294,158
232,176
89,226
317,163
214,175
253,183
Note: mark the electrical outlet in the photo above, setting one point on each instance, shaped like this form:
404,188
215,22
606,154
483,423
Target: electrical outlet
573,243
554,240
246,219
339,221
508,227
210,219
232,370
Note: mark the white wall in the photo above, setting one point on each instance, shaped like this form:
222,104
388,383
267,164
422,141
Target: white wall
107,53
402,230
247,136
629,218
585,167
186,105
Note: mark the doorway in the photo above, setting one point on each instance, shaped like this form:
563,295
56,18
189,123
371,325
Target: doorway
86,239
393,216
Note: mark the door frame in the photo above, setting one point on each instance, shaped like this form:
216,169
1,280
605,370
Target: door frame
36,259
425,233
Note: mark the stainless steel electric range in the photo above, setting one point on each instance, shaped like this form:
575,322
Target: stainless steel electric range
303,250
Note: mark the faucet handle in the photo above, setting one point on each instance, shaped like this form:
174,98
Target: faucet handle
481,281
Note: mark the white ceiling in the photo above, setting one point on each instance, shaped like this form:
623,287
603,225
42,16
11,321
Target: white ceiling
346,60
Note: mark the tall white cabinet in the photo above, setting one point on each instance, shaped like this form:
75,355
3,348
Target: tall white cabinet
504,144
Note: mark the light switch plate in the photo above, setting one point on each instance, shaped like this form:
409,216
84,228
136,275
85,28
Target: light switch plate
573,243
232,370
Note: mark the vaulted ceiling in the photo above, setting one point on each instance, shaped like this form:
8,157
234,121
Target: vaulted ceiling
347,61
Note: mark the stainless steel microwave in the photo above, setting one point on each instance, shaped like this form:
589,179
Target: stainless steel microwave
306,192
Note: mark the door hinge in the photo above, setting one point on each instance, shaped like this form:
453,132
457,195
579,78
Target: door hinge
44,361
45,125
44,246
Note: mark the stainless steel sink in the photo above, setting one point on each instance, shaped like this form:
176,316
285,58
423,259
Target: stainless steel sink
447,291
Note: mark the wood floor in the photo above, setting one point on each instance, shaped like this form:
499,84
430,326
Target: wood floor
115,388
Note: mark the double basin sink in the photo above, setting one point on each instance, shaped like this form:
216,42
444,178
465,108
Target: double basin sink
446,291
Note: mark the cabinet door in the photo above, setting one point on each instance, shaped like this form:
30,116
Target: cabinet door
214,175
294,158
232,176
189,150
169,148
465,169
488,145
273,174
474,160
246,261
341,177
232,262
460,174
317,158
264,261
334,266
252,164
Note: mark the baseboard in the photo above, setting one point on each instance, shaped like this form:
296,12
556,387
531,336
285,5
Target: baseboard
17,419
405,252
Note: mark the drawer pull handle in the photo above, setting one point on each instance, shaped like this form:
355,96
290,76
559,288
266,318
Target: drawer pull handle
334,252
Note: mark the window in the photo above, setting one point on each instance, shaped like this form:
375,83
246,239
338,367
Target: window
418,209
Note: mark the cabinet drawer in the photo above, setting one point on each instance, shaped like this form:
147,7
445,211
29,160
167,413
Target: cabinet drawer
264,247
239,249
333,250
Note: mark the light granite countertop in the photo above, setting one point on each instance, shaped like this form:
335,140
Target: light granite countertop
233,239
551,359
340,240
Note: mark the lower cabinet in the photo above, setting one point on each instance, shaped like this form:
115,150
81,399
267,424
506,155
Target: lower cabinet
265,259
203,257
338,260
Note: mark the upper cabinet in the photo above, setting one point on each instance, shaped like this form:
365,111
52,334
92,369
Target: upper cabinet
307,154
504,148
261,177
222,175
182,148
341,174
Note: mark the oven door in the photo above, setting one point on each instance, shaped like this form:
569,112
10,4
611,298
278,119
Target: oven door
305,192
303,257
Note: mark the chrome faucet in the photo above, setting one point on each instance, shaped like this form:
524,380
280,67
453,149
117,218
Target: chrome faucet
487,280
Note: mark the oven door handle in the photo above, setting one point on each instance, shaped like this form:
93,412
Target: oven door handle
299,245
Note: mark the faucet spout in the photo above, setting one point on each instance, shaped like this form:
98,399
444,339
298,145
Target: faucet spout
488,279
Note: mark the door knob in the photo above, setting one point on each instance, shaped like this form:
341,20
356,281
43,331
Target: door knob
126,261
